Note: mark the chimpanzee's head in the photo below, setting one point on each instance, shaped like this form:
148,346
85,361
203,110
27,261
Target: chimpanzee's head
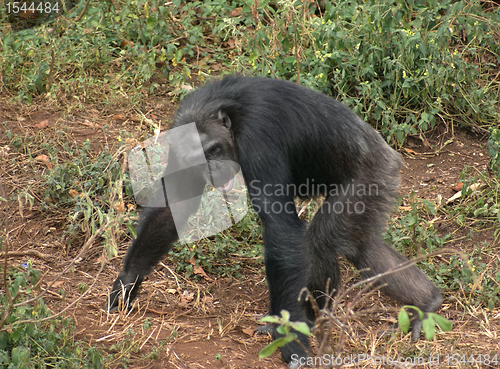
209,144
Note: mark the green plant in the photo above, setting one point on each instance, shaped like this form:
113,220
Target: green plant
114,50
35,343
285,327
217,254
413,231
403,66
91,187
477,277
480,201
429,321
493,147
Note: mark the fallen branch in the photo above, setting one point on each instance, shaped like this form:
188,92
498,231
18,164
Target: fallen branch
34,253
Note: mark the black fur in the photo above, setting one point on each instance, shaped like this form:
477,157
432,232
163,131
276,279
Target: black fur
284,136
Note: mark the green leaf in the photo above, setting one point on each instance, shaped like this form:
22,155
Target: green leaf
401,136
403,320
21,356
270,319
152,21
17,332
429,328
301,327
286,316
442,322
131,228
273,346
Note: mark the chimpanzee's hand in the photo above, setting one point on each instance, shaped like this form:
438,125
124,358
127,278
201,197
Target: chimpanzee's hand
125,287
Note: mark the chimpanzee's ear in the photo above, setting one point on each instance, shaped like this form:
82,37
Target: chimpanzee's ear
224,119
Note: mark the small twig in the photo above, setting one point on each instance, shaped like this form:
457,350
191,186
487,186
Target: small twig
11,299
6,247
51,70
55,294
83,11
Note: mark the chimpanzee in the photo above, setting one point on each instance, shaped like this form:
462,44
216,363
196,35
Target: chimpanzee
289,141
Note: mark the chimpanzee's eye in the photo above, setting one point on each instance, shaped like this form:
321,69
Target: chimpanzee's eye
214,151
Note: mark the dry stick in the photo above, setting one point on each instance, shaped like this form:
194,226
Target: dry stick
51,70
10,307
267,61
33,253
7,292
297,53
83,12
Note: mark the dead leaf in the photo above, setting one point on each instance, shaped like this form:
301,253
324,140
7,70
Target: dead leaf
188,295
458,187
207,299
88,124
135,118
186,86
230,44
43,124
120,117
410,151
186,298
248,331
199,270
58,284
45,160
474,187
4,151
28,14
126,43
119,206
236,12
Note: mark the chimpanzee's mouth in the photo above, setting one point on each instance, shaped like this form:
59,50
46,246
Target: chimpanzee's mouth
228,186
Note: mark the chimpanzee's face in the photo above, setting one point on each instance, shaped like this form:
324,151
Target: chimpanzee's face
220,151
212,147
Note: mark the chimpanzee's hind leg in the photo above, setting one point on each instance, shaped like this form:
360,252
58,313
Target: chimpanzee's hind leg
351,226
409,286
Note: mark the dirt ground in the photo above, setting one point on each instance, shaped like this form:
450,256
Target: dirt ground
210,322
